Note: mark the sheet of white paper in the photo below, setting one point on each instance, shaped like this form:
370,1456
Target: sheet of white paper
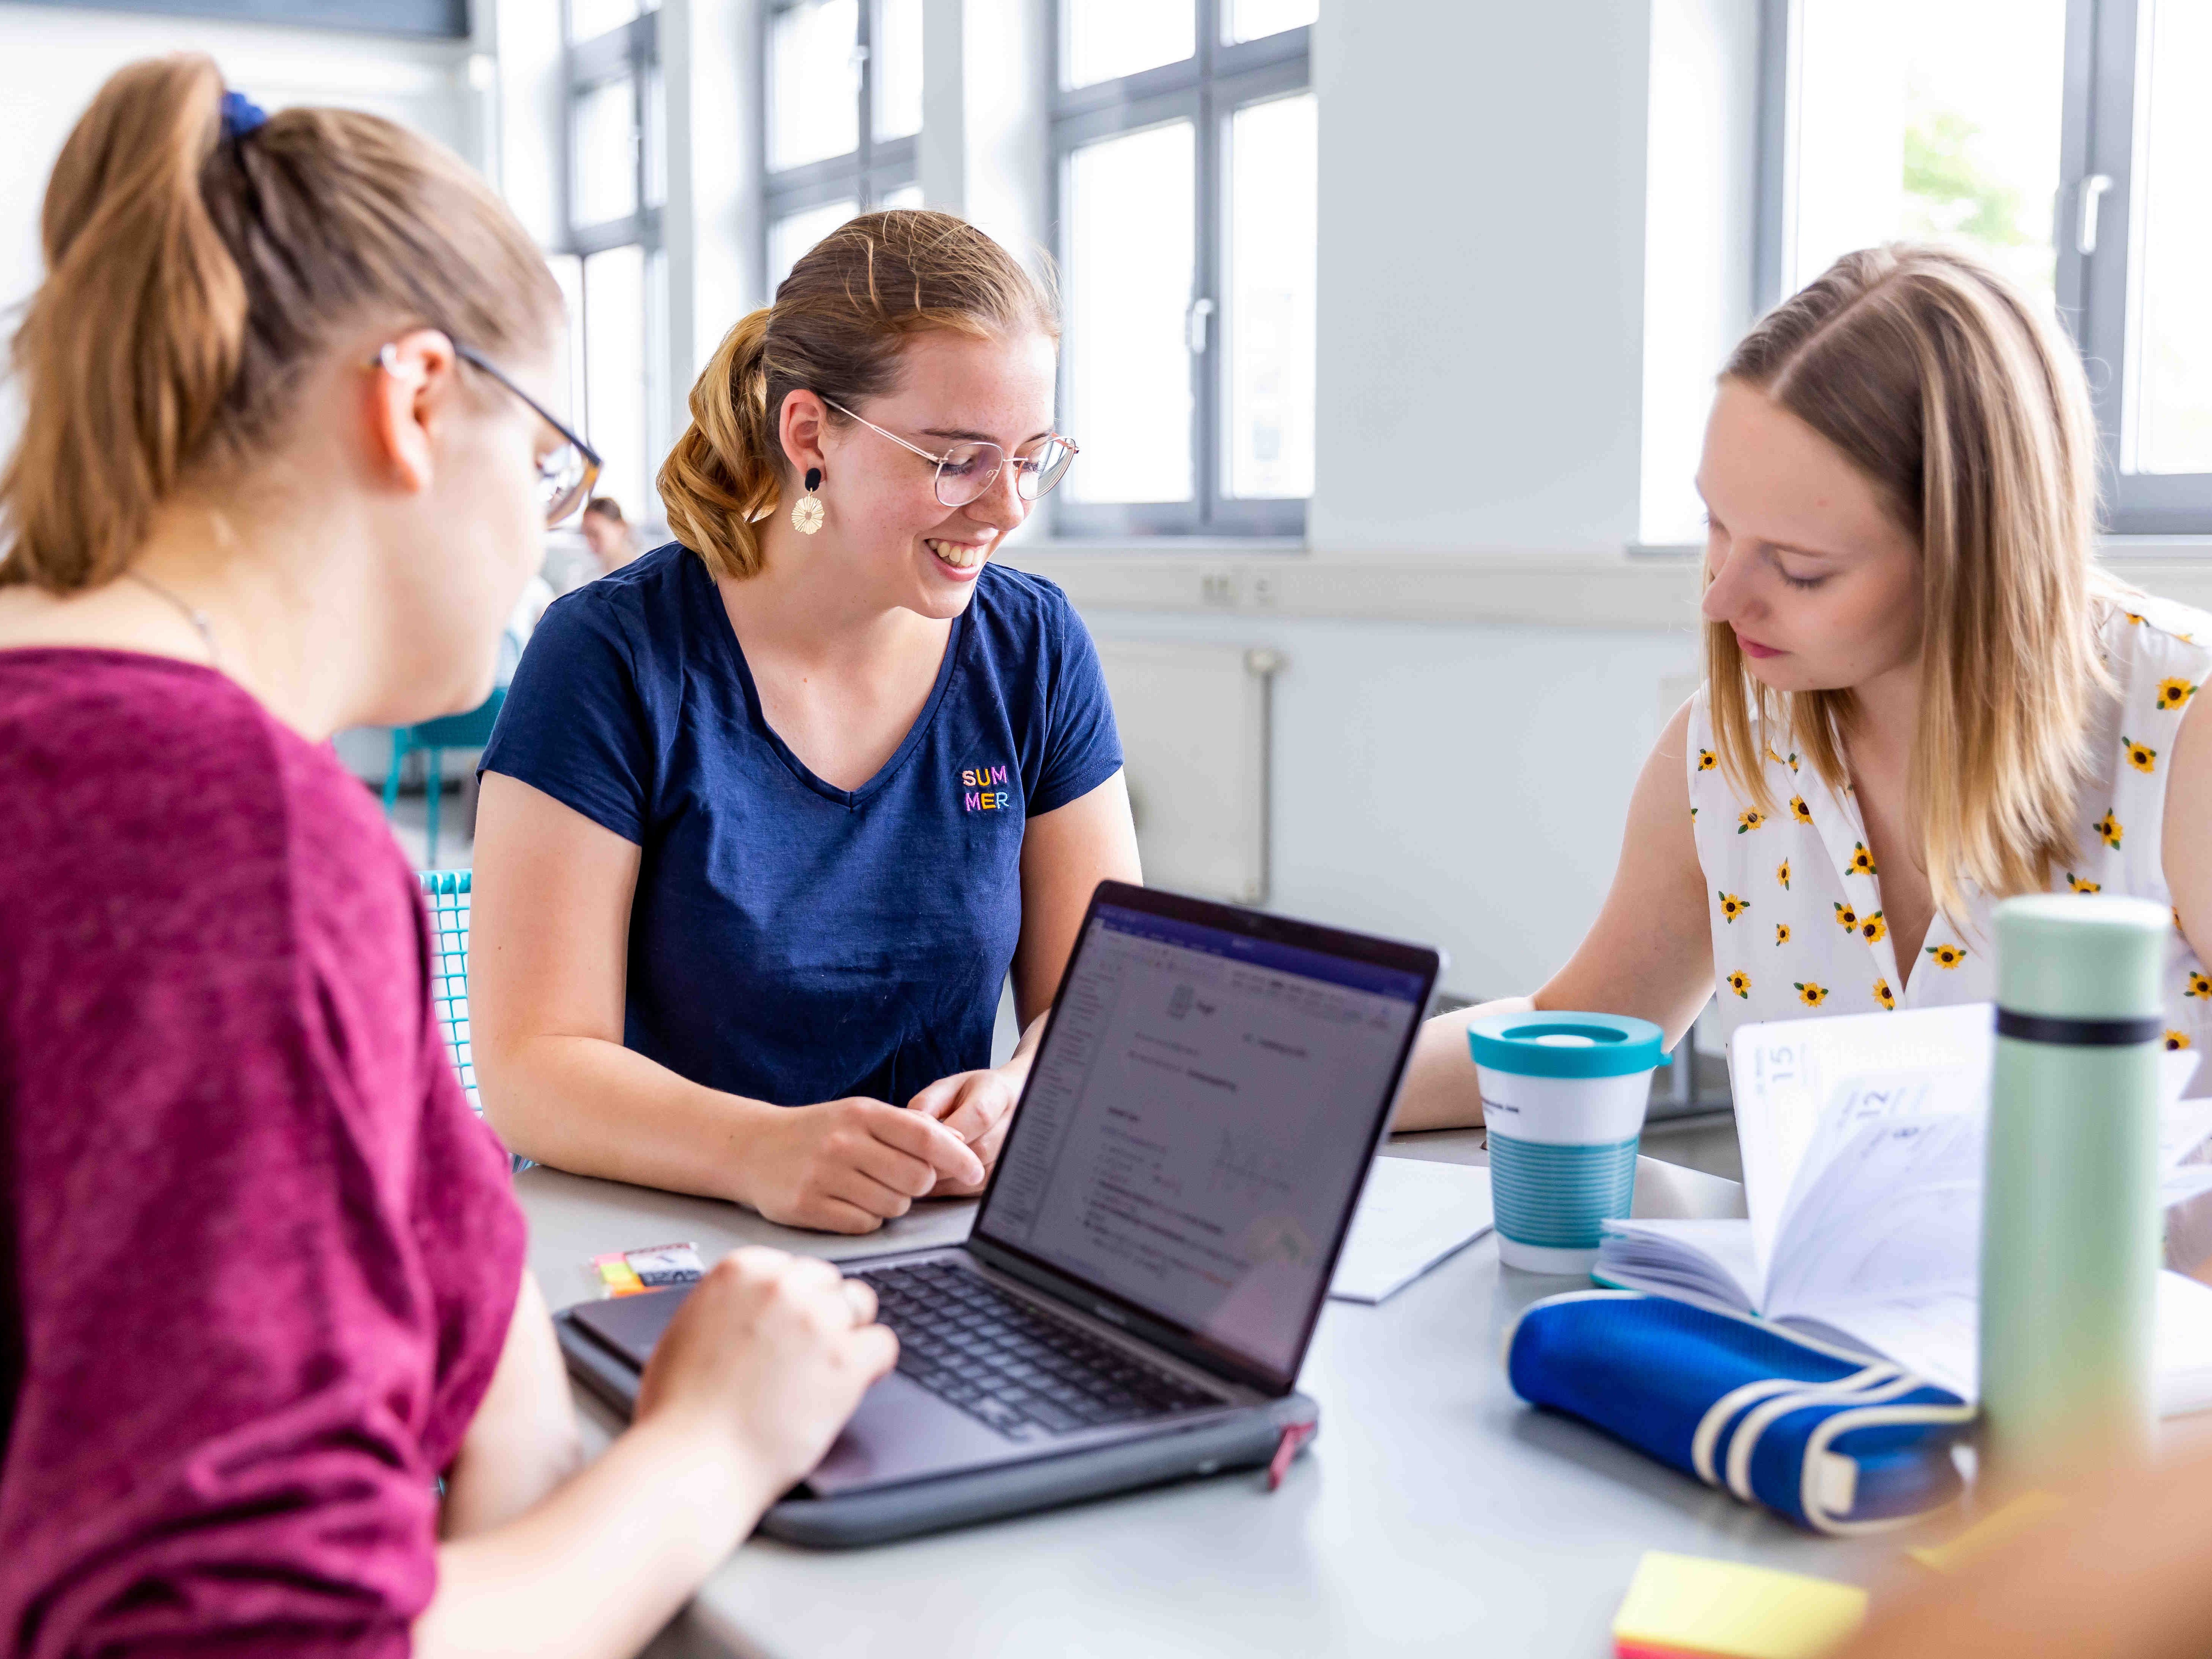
1412,1215
1936,1336
1784,1072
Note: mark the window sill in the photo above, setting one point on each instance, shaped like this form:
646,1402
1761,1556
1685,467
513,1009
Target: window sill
1643,589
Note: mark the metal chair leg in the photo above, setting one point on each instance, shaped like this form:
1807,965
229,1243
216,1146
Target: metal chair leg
435,781
392,773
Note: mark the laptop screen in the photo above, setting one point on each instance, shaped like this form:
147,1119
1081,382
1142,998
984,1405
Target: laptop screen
1198,1123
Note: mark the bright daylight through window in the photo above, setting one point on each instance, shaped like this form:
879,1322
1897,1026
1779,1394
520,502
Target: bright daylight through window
843,81
611,267
1186,146
2074,155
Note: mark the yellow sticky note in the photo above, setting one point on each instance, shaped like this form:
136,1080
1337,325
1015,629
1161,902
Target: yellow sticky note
1684,1604
1999,1526
616,1276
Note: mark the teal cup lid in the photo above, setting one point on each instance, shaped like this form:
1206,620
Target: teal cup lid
1553,1044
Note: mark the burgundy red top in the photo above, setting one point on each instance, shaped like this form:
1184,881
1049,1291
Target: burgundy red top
264,1255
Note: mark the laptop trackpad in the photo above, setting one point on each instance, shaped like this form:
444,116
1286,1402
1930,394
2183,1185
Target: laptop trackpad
903,1432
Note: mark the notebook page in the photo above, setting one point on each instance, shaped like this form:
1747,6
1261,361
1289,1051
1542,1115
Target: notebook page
1786,1071
1896,1211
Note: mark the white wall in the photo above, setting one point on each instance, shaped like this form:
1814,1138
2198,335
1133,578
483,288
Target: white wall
1463,786
1701,161
1482,180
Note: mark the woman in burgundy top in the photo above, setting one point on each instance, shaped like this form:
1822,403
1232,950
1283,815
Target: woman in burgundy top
267,1283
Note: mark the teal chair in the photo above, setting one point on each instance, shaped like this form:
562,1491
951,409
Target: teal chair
447,893
432,738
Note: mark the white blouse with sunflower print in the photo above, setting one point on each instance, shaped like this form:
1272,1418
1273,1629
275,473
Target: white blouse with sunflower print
1795,900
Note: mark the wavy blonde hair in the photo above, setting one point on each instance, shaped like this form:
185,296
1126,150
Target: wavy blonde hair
838,325
1957,397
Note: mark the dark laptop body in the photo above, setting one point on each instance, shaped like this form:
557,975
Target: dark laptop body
1152,1253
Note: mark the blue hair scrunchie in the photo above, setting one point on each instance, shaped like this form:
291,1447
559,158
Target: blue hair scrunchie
240,115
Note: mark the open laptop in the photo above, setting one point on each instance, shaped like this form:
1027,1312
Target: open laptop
1152,1252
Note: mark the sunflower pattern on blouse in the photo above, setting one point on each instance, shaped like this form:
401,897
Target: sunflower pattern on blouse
1826,943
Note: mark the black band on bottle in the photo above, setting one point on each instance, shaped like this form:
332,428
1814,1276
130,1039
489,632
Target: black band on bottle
2079,1033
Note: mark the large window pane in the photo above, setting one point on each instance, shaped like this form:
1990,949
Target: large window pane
905,196
1271,156
814,82
1131,226
568,272
898,67
790,237
615,374
2172,371
606,153
1111,37
1250,18
1936,121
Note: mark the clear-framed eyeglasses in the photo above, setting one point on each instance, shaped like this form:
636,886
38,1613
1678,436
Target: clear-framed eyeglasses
966,472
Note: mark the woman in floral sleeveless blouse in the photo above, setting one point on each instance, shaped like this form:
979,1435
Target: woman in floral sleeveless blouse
1922,695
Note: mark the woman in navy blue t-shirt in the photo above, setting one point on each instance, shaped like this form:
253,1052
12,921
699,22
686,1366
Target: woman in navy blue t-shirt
770,812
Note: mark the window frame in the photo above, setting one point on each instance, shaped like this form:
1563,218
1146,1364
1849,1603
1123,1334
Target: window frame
2106,72
2102,80
1207,90
866,175
628,52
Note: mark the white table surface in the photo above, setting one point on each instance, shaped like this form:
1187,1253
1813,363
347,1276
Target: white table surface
1436,1513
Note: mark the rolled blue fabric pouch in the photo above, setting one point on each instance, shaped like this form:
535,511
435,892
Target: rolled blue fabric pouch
1836,1441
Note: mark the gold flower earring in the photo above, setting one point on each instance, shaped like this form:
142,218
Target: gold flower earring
806,512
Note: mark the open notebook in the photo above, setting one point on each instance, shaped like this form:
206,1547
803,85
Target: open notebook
1862,1142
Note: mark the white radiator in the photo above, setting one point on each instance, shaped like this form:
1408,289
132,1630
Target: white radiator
1193,721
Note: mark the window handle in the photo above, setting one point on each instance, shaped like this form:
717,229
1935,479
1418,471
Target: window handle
1195,325
2093,193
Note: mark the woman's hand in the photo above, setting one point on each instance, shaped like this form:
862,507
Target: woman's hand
847,1166
762,1364
767,1359
979,1108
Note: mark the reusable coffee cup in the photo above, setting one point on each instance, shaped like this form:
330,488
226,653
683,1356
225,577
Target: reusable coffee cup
1563,1095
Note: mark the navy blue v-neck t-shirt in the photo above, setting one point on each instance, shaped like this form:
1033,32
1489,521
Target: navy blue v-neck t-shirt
790,941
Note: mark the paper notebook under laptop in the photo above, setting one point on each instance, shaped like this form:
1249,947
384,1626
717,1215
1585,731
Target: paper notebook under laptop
1149,1261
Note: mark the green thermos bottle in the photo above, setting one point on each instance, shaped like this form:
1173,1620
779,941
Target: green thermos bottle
2070,1223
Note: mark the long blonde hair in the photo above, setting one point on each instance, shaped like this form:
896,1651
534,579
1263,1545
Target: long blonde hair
1957,396
192,278
836,328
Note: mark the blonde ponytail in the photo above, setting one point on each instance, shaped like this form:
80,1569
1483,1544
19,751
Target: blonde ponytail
127,351
193,277
719,480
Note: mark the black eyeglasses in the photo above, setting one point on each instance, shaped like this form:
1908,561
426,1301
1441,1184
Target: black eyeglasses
566,476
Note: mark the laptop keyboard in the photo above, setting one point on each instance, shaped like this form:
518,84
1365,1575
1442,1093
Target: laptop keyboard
1011,1365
